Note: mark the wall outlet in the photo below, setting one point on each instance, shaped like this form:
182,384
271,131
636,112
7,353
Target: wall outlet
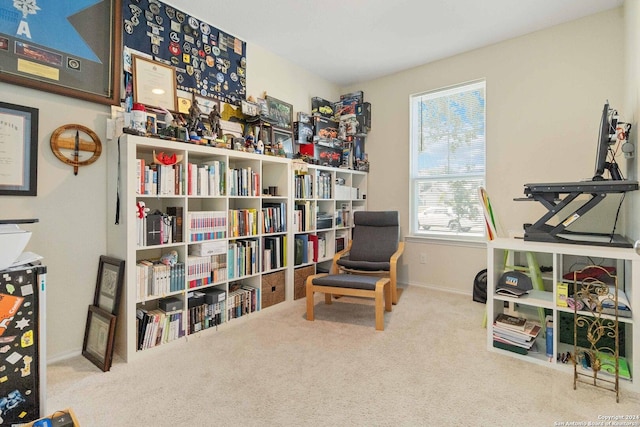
423,258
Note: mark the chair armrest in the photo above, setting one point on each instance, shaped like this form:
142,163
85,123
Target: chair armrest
337,256
398,253
394,258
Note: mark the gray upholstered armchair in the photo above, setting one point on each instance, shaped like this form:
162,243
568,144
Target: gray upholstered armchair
374,249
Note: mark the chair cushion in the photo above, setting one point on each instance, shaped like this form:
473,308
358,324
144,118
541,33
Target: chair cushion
352,281
375,236
365,265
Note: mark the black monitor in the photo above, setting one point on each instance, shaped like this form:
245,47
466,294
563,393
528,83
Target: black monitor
607,136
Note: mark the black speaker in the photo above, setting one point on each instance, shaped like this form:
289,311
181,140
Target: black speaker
480,287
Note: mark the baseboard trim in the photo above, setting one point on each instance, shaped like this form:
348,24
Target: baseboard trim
63,356
438,288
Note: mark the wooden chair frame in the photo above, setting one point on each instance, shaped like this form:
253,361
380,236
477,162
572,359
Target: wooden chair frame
391,274
380,293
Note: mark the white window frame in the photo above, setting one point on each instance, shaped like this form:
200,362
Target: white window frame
478,235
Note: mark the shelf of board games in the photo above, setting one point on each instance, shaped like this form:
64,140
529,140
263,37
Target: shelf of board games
204,239
558,262
325,200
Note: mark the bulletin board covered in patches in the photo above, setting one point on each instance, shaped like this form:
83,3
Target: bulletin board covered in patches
21,367
208,62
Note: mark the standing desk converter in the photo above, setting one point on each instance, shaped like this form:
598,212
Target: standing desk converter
557,196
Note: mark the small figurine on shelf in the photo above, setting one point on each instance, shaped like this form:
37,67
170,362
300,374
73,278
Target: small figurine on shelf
194,116
170,258
249,141
280,149
342,130
214,121
260,147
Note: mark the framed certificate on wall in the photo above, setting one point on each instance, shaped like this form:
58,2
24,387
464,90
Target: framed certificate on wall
18,150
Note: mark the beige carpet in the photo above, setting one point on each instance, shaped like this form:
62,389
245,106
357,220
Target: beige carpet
430,367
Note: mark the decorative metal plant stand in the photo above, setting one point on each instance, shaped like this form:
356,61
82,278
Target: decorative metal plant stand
602,331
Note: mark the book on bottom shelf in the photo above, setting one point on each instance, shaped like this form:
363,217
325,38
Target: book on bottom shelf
156,327
510,322
509,347
607,365
515,334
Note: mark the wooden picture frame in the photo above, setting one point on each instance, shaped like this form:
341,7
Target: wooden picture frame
109,284
99,337
280,113
154,83
18,150
77,54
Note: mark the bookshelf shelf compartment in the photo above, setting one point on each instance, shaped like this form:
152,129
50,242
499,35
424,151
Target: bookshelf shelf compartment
547,303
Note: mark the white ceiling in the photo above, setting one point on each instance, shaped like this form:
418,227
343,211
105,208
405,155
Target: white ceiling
351,41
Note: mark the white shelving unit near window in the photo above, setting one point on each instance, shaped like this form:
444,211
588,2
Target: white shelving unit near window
563,259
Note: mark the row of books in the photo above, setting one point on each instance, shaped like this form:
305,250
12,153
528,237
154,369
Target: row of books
303,215
324,185
211,179
274,254
206,179
206,316
274,217
303,187
159,228
170,180
159,180
243,222
198,270
157,327
242,299
515,334
207,225
244,182
242,258
154,278
306,249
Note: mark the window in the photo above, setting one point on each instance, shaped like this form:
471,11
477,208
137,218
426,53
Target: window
448,162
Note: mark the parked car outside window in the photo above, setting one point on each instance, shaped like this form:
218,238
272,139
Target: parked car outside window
440,217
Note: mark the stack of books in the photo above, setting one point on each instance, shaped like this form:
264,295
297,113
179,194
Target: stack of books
515,334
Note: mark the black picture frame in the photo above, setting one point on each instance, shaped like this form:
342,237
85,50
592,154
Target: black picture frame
20,162
280,113
286,138
82,60
109,284
99,337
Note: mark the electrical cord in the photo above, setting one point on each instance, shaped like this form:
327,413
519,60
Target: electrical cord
615,222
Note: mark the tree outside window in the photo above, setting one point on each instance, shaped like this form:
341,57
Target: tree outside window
448,162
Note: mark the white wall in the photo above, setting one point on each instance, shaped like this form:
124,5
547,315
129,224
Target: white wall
632,102
71,234
544,92
544,95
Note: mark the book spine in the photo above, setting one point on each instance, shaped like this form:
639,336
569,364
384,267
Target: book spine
549,337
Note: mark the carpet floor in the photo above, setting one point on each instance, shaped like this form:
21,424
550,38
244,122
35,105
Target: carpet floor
429,367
